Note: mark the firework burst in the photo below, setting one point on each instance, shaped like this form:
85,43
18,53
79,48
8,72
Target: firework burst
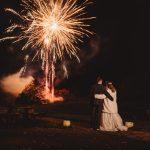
53,28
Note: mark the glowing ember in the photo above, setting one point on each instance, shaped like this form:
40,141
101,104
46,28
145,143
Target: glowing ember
50,97
35,92
53,28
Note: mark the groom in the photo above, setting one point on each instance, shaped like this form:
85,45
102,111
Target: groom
97,104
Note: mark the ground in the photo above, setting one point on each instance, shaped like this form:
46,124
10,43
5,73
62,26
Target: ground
45,131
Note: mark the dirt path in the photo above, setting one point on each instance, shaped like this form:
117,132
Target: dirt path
50,135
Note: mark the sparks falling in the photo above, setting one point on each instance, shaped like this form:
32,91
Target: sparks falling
53,28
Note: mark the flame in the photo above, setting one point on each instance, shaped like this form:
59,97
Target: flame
50,97
36,90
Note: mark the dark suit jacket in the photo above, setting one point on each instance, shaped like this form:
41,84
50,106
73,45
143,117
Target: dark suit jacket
99,89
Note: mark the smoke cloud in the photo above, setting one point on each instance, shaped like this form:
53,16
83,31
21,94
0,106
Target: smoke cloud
14,83
73,67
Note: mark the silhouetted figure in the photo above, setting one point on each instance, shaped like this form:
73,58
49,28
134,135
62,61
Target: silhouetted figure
97,104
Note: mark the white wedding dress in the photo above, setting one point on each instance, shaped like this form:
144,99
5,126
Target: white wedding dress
110,119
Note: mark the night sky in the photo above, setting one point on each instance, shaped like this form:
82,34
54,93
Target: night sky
122,35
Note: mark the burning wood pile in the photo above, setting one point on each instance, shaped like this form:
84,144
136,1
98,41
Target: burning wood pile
34,93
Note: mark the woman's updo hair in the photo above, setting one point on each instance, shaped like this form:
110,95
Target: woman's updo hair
110,86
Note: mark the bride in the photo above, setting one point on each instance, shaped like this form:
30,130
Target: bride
110,119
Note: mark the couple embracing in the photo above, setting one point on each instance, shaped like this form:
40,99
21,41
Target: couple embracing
105,115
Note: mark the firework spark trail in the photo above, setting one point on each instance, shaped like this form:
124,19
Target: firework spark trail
53,28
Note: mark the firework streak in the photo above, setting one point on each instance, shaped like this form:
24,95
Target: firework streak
52,28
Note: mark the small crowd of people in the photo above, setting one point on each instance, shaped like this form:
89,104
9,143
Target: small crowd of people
105,116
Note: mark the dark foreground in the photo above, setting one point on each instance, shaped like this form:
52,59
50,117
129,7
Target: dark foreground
46,132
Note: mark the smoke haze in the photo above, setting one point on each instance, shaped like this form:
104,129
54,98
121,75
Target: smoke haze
14,83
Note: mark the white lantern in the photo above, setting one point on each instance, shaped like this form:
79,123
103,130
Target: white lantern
66,123
129,124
